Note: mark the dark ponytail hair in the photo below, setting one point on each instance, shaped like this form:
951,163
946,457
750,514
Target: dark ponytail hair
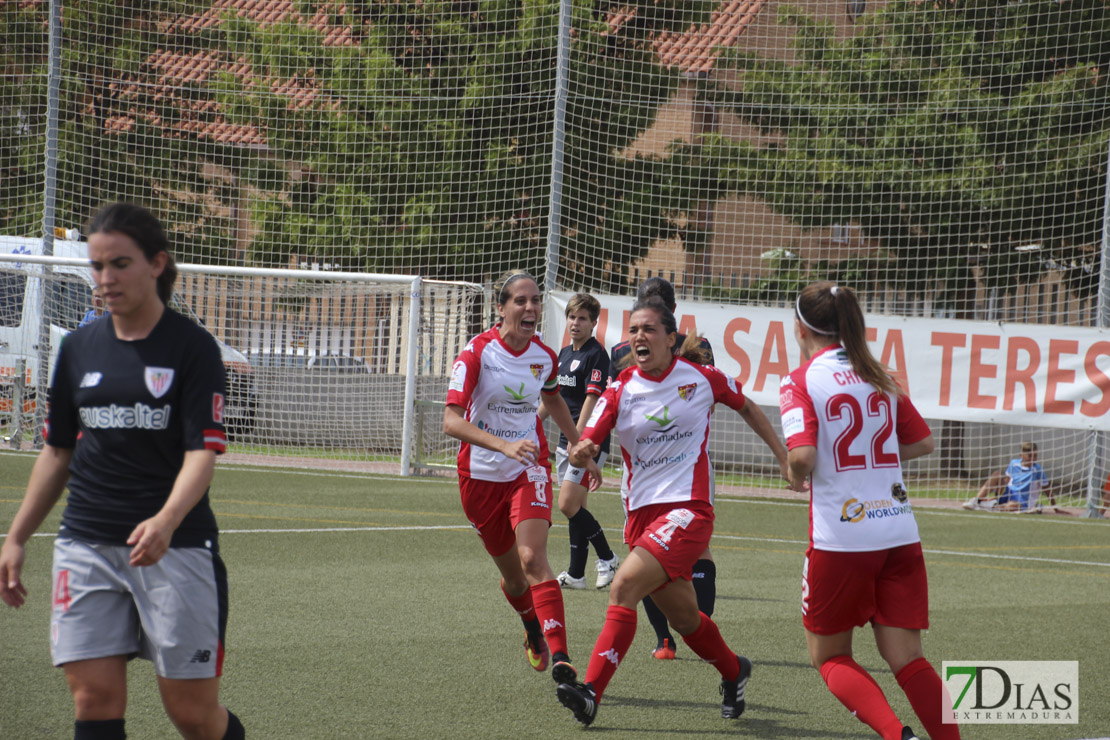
691,348
831,310
136,222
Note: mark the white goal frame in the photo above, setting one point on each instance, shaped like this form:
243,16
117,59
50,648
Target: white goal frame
415,283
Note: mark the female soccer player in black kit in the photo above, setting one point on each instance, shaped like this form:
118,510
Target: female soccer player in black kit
583,375
135,424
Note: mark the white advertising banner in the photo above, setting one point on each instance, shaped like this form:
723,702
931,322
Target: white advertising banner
1027,374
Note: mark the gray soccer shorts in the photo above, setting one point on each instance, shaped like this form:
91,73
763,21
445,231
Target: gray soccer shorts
562,462
173,613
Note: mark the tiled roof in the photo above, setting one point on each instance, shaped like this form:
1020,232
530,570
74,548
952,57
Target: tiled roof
696,49
693,51
170,70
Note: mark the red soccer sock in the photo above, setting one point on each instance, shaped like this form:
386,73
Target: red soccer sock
707,644
611,646
522,604
928,698
856,690
548,598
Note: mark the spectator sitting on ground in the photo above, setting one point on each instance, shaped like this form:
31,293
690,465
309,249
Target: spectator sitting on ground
1026,481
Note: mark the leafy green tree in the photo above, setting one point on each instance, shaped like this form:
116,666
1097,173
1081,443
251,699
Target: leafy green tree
121,132
429,145
22,103
950,133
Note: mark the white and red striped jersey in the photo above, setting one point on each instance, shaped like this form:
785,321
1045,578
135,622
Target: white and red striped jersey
663,427
499,391
857,499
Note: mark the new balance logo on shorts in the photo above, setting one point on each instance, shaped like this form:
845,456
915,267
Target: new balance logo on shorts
550,624
612,656
201,656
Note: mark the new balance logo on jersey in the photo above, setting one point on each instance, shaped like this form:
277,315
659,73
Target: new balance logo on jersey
91,380
201,656
139,416
612,656
550,624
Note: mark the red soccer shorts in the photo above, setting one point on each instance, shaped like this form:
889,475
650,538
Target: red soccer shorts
676,534
495,508
843,590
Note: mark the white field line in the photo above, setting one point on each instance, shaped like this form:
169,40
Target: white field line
743,538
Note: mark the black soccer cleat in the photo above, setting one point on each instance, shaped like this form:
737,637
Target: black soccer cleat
562,670
908,734
580,699
732,692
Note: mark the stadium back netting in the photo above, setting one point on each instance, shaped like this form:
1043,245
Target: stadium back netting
947,160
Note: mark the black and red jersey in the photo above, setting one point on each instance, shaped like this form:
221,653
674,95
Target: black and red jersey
582,372
130,410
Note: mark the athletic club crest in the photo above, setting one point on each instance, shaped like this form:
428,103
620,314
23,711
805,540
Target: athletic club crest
686,392
574,365
158,380
536,370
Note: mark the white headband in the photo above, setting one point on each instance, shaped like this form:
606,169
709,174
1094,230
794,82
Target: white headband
806,324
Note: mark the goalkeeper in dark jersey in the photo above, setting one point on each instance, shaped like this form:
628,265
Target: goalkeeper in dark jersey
583,376
705,570
135,424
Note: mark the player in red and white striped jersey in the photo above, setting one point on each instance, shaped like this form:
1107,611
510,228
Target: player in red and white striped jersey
497,386
849,427
661,410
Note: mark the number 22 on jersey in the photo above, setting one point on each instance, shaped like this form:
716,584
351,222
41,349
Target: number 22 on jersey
875,423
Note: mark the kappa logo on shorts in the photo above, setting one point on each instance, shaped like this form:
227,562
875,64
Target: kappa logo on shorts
201,656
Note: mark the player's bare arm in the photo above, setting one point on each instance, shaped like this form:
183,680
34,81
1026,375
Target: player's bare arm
800,463
557,409
757,420
151,538
587,411
455,425
917,449
48,480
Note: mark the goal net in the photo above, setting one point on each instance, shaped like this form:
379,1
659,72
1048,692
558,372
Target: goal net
324,369
947,160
